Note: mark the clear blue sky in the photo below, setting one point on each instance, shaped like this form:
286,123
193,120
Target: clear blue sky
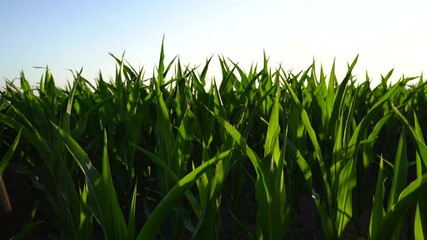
73,34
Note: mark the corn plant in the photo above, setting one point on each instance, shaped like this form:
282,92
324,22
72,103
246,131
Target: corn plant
33,115
171,157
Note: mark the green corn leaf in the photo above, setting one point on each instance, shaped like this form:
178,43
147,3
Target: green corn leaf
205,71
339,98
26,86
273,130
239,140
407,198
378,211
368,144
163,129
420,222
313,137
157,160
400,171
351,154
182,145
347,181
419,133
254,113
66,121
115,223
331,90
3,164
361,128
419,142
132,212
306,121
92,175
102,200
165,140
80,128
161,68
302,163
30,135
127,69
160,213
8,156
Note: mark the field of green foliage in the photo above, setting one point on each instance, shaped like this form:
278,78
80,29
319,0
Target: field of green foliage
256,154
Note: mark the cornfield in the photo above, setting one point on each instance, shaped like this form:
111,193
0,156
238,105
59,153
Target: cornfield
260,154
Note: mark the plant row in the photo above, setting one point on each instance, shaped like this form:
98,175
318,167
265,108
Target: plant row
175,156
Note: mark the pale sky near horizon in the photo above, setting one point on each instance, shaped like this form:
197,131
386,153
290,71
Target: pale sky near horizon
67,34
